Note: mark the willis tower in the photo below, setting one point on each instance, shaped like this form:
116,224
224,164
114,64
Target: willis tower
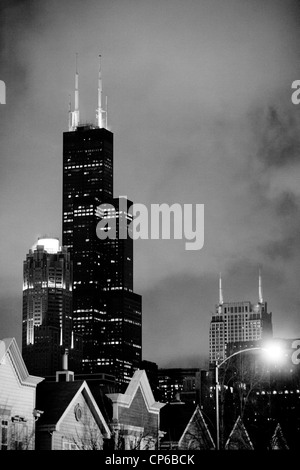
106,311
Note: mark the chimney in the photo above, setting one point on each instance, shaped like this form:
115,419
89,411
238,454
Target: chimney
65,375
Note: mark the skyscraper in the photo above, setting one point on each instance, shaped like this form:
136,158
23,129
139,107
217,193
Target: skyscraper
47,308
105,310
238,321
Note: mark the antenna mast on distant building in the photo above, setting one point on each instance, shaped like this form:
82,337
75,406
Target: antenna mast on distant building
260,292
221,300
74,115
100,111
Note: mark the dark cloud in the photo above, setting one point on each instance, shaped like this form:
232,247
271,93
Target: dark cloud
282,249
279,139
288,205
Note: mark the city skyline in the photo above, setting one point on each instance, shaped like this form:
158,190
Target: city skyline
201,112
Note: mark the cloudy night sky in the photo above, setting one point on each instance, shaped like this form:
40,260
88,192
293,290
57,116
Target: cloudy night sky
199,97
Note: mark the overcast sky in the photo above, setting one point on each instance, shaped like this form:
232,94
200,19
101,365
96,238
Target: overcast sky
199,95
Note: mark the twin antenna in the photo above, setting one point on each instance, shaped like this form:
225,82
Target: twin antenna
101,112
260,291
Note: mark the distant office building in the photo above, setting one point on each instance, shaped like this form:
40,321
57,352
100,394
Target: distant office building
106,311
47,308
237,321
176,384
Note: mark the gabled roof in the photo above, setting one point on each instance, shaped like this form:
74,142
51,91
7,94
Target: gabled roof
197,432
57,398
139,380
174,419
239,437
9,347
278,440
104,403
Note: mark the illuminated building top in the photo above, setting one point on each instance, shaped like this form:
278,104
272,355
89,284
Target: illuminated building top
51,245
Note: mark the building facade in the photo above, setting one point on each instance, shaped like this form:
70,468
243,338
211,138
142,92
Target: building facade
237,321
71,419
136,416
179,383
47,308
18,411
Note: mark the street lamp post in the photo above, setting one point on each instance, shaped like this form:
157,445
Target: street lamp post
217,387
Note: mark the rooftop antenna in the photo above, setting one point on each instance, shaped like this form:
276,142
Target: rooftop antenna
260,292
74,115
70,115
100,111
221,300
106,114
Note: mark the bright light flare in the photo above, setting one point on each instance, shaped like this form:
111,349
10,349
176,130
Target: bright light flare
274,351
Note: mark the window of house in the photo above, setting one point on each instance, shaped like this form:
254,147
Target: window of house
69,445
19,434
4,434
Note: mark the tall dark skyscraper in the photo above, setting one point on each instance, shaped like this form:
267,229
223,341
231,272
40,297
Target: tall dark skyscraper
106,312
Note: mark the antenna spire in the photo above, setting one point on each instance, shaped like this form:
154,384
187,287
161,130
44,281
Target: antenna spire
221,301
74,115
106,114
100,111
76,109
260,292
70,114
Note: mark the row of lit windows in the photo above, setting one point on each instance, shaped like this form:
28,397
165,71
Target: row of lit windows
87,165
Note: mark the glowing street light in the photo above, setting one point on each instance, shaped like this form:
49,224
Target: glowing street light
273,351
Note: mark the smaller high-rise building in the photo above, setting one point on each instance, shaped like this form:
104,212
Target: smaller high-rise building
47,308
237,321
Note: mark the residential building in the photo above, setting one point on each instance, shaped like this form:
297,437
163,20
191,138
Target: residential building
239,438
136,415
71,418
183,427
18,409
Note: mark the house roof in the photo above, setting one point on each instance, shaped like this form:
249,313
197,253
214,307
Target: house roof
139,380
278,440
197,429
267,435
239,437
56,398
9,347
174,418
104,403
53,398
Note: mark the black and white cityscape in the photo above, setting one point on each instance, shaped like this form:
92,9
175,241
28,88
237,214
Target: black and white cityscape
150,257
